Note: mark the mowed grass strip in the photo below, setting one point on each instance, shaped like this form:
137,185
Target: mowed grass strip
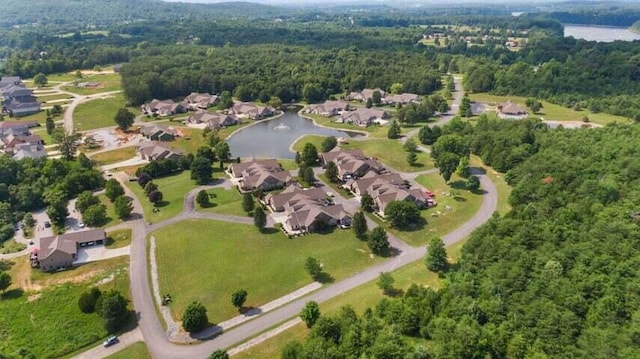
46,321
365,296
113,156
137,350
173,189
99,112
108,82
226,201
504,190
208,260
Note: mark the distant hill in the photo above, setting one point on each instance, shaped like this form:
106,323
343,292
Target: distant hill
635,27
106,12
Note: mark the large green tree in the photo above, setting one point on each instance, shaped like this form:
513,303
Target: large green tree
310,313
309,155
378,241
5,281
113,189
259,218
112,308
359,225
201,170
194,318
123,207
124,118
402,214
436,257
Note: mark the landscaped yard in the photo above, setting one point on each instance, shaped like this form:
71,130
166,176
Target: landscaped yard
111,211
99,113
135,351
173,189
119,238
551,111
39,313
114,156
108,82
227,201
208,260
190,142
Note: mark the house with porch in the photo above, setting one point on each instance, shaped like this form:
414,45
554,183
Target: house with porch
251,110
157,151
362,117
202,101
264,175
351,163
328,108
59,252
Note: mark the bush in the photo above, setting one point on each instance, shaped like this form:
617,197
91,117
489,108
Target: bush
195,317
87,301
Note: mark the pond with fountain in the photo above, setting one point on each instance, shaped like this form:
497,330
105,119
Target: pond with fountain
273,138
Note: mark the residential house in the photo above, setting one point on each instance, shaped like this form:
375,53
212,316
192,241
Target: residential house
28,150
387,188
307,210
251,110
10,80
159,133
265,175
162,108
511,111
10,141
365,95
59,252
351,163
403,98
213,120
14,91
18,100
156,151
197,101
328,108
362,117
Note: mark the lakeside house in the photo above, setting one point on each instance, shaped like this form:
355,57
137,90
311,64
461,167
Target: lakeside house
363,117
59,252
264,175
251,110
156,151
213,120
351,163
328,108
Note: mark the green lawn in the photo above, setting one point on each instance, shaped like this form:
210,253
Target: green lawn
111,211
48,322
316,140
11,246
227,201
173,189
365,296
287,165
114,156
223,257
42,132
191,141
551,111
135,351
99,113
108,82
504,190
391,153
46,98
118,239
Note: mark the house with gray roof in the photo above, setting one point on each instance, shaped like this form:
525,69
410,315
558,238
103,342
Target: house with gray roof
365,95
265,175
197,101
59,252
403,98
511,111
213,120
362,117
158,133
351,163
162,108
156,151
328,108
10,80
251,110
28,150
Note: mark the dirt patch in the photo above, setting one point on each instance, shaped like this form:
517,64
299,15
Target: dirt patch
34,297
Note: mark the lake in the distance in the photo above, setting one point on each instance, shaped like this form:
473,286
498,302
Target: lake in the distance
601,34
272,138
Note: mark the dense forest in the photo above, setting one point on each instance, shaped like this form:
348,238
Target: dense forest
557,277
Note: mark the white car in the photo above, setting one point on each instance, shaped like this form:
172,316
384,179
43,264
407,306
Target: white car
110,341
80,224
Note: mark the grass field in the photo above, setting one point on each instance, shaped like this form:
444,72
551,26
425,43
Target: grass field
173,189
114,156
316,140
360,298
227,201
11,246
111,211
45,319
135,351
551,111
108,82
99,113
45,98
224,257
118,239
191,141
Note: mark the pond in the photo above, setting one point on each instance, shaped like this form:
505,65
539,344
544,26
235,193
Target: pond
273,138
600,33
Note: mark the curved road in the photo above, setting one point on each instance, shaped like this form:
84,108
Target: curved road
155,336
68,114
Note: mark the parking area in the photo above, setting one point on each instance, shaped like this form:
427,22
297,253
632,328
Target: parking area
110,139
99,252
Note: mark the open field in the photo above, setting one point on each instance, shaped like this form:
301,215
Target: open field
11,246
551,111
112,219
173,189
224,257
39,313
118,239
99,113
114,156
360,298
227,201
108,82
191,141
136,351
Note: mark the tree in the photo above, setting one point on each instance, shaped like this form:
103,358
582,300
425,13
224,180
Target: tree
310,313
465,106
84,161
309,155
28,220
309,176
40,80
473,183
57,212
331,171
436,257
329,143
206,152
410,145
429,135
448,163
412,158
85,200
202,198
201,170
359,225
50,125
402,214
123,207
88,300
194,318
150,187
95,215
222,151
113,189
68,146
112,308
385,282
463,167
533,104
275,102
225,100
243,93
247,202
124,119
313,267
394,130
5,281
368,103
366,202
259,218
238,298
219,354
378,241
376,97
396,88
155,197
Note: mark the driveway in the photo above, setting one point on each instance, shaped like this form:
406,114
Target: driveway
99,252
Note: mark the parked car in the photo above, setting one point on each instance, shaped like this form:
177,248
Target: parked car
47,224
80,224
110,341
